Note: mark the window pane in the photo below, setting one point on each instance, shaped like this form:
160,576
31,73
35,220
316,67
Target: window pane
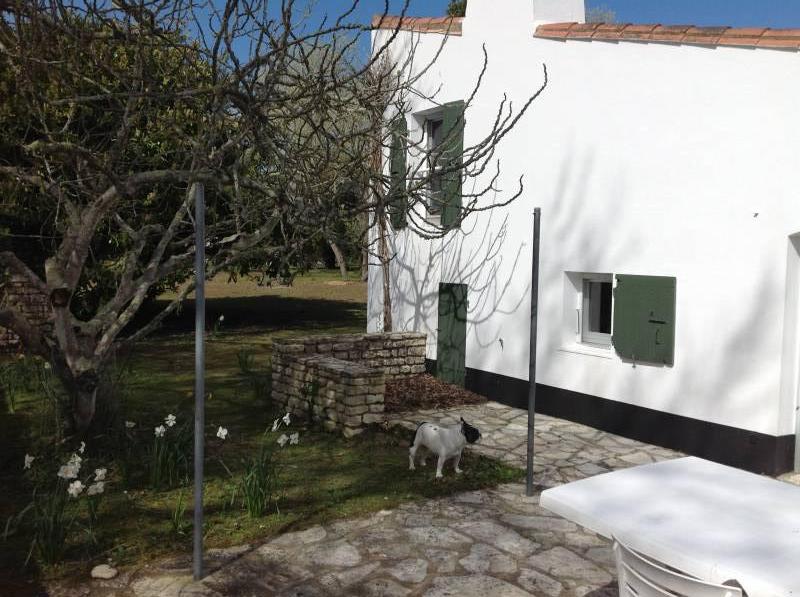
599,306
435,204
435,133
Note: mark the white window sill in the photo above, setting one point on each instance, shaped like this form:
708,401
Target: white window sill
588,349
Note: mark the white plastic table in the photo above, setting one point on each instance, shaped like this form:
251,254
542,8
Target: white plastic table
714,522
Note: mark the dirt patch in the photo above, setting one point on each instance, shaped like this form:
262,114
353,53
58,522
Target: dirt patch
425,391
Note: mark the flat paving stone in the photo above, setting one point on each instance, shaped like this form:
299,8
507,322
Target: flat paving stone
474,585
382,587
485,558
338,554
499,536
560,562
409,571
539,584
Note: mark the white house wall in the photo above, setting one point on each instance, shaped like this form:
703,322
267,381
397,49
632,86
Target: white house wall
645,158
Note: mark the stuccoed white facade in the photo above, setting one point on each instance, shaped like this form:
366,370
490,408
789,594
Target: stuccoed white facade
645,158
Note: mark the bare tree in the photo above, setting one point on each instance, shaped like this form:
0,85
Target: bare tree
118,109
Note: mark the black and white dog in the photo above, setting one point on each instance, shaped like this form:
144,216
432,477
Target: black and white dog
444,441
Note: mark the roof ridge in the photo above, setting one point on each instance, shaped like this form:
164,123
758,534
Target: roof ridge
446,24
757,37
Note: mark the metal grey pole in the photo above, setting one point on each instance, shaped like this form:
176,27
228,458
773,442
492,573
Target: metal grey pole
199,372
532,355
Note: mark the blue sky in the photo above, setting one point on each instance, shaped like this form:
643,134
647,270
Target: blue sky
735,13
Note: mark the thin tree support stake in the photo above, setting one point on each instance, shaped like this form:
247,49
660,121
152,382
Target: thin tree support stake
199,373
532,356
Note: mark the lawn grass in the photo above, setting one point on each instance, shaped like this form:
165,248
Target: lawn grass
322,478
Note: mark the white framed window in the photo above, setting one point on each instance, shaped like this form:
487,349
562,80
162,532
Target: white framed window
597,296
594,308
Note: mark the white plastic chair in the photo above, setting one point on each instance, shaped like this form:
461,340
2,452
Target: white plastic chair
640,576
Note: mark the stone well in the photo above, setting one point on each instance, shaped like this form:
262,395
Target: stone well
341,380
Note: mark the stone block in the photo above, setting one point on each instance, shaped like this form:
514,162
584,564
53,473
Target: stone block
356,410
374,399
292,348
353,399
377,408
349,432
371,418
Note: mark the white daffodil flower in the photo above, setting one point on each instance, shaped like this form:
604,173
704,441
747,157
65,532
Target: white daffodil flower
75,460
130,424
100,474
160,431
28,461
82,448
47,366
222,433
170,420
294,438
286,419
96,488
275,424
221,318
75,488
283,439
68,471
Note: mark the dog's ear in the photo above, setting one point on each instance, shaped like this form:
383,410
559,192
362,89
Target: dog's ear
462,419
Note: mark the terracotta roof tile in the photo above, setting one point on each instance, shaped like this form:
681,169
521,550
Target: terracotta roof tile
448,25
582,30
780,38
758,37
555,30
637,32
609,31
704,35
669,33
742,36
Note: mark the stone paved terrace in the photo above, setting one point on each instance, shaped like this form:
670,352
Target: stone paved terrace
495,543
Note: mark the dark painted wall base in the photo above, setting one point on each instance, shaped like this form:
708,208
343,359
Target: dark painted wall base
744,449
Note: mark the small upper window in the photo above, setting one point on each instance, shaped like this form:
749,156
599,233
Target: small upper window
596,309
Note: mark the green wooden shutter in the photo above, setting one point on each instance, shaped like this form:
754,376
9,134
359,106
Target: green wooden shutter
451,344
453,126
398,199
644,318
